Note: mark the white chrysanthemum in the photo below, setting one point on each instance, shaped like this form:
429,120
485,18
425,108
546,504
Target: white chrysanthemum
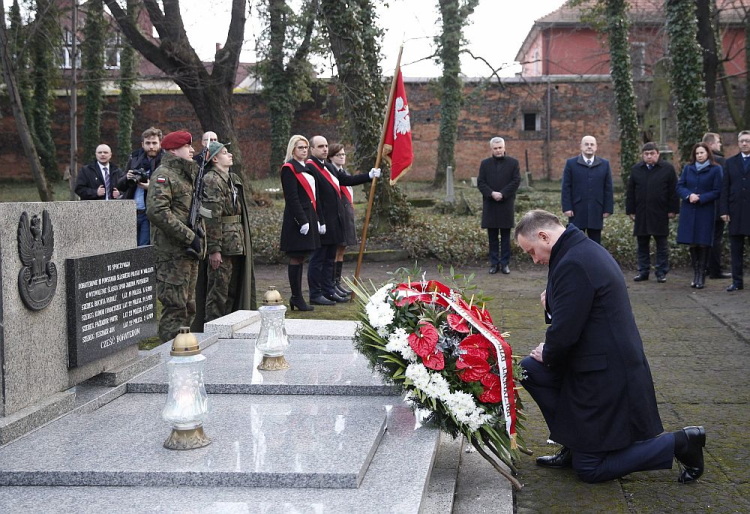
418,374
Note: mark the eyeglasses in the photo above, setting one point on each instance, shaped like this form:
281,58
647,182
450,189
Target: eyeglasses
744,141
302,147
340,154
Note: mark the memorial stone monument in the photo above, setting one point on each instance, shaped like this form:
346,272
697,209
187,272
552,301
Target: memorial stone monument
77,296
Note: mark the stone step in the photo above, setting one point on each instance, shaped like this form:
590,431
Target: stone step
257,441
327,367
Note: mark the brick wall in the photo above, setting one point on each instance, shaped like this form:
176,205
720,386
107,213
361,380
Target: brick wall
577,107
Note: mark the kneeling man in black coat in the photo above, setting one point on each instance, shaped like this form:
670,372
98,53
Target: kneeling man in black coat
590,376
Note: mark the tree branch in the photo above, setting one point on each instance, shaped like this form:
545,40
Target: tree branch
304,47
149,50
227,58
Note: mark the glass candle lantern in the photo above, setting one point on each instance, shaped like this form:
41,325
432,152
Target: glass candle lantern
272,339
187,401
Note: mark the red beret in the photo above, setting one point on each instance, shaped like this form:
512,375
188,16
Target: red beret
175,140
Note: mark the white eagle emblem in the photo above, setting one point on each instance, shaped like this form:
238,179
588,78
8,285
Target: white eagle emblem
401,123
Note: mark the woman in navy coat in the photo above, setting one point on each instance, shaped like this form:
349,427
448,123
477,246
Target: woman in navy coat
699,187
299,229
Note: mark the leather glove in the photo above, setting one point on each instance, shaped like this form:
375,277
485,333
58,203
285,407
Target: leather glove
374,173
304,229
195,244
322,229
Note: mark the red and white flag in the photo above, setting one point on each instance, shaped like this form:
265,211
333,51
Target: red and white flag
397,149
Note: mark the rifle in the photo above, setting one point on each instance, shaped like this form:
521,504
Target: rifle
197,211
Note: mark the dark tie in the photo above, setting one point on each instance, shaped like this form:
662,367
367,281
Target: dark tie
588,162
745,161
105,172
650,166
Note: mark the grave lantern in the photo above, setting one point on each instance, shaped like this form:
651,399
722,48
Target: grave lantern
272,339
187,401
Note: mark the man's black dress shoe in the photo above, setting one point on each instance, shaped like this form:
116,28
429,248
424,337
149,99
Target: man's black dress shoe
562,459
735,287
494,268
640,277
336,298
505,269
721,275
322,300
661,278
691,457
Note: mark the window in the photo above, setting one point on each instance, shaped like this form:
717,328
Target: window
112,52
638,59
66,61
531,122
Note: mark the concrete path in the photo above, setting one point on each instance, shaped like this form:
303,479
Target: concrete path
698,346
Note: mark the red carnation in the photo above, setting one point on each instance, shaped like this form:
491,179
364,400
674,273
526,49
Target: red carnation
492,392
474,368
424,340
458,323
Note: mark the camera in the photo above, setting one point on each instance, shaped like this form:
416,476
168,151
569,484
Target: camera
141,175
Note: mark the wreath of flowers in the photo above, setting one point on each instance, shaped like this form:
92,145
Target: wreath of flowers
451,361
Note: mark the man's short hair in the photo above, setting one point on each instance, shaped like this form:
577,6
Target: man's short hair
534,221
649,146
496,140
743,133
151,132
711,137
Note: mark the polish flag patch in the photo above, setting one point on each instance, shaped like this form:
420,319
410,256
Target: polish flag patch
161,180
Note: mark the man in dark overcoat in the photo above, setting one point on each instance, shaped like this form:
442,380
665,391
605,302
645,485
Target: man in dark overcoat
587,196
329,181
735,205
98,180
590,376
498,181
713,140
651,201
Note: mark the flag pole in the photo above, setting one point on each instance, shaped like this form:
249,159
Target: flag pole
377,164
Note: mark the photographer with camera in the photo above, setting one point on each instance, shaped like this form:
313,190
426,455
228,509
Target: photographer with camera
135,182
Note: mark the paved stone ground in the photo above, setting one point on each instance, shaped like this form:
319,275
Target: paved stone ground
698,345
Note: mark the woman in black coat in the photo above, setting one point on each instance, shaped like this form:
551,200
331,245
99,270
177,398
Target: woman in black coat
337,157
699,187
300,227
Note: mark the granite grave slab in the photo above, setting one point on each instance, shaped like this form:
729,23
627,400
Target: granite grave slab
286,441
395,482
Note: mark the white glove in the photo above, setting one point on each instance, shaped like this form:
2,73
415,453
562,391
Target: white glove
374,173
304,229
322,229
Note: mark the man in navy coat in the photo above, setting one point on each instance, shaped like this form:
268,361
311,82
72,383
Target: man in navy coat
587,196
734,205
590,376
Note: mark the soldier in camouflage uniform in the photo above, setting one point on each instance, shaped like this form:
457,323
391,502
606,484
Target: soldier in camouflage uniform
231,282
168,203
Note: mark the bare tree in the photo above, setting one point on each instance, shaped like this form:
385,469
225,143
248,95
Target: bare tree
45,193
210,94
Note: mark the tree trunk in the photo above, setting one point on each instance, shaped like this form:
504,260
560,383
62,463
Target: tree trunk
454,17
93,64
45,193
686,75
286,86
622,75
364,95
746,114
706,12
